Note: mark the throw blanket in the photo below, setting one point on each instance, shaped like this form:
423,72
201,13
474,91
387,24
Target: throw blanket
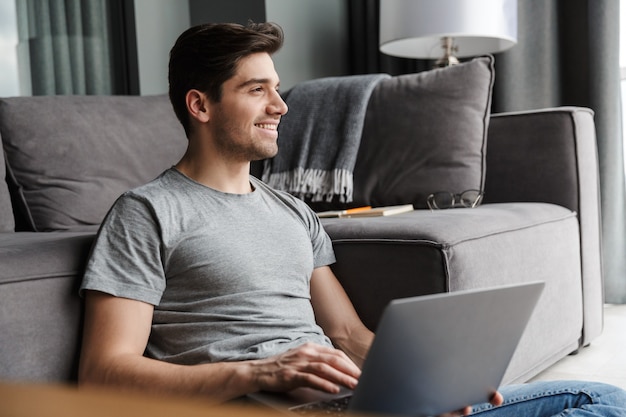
320,136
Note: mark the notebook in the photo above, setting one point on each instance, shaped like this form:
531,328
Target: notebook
431,354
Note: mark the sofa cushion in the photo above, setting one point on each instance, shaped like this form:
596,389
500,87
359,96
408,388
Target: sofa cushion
7,223
425,133
72,156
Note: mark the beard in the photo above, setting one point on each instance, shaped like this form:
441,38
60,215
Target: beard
250,150
238,144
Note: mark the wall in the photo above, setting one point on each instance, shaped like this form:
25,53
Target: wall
158,24
316,39
315,46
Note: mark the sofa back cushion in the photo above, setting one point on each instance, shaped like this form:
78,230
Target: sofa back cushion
425,133
72,156
7,223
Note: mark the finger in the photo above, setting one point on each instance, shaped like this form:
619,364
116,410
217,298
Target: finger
497,399
339,360
332,374
328,363
335,358
311,380
464,412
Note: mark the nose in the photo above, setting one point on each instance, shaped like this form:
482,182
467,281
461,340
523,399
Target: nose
277,105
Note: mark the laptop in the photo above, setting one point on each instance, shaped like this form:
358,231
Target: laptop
431,354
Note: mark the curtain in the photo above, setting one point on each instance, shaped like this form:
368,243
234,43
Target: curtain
67,46
567,54
365,58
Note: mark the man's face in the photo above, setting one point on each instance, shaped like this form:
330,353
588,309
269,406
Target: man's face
245,120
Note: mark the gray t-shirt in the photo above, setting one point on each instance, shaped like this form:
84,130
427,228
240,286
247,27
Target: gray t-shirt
228,274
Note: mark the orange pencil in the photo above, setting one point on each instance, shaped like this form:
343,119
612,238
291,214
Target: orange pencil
356,210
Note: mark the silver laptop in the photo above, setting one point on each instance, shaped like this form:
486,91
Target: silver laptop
431,354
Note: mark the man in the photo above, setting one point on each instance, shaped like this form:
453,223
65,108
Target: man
206,281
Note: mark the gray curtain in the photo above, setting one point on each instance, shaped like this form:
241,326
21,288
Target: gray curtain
68,47
365,58
568,54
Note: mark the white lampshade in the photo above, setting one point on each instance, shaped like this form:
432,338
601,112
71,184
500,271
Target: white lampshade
415,28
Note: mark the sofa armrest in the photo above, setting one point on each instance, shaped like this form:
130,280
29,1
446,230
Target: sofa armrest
550,156
542,156
40,309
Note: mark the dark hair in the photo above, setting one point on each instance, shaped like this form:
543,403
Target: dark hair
206,56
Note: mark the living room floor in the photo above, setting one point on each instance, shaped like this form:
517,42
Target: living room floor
604,360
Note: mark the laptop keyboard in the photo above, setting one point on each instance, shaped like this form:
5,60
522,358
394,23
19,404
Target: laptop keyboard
334,407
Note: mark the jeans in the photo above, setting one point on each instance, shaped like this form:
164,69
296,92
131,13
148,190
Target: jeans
557,399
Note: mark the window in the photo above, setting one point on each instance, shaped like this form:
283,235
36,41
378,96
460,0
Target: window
62,47
622,64
9,81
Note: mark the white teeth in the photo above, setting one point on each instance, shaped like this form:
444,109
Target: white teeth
267,126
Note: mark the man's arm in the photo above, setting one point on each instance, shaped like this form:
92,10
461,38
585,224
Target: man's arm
116,333
335,313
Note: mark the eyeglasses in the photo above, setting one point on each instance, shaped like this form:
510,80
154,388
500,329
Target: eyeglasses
446,200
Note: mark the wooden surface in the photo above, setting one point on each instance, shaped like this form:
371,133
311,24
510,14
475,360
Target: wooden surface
26,400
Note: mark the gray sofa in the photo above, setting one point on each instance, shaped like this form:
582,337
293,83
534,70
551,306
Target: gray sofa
68,158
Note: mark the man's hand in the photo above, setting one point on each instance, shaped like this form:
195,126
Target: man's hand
496,400
309,365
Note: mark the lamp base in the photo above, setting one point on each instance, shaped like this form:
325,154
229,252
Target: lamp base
448,59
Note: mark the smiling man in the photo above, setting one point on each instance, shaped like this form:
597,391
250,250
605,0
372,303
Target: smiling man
207,282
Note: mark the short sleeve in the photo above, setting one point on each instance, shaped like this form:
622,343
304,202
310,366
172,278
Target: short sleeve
126,258
323,253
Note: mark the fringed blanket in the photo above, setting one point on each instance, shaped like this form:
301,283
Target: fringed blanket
320,136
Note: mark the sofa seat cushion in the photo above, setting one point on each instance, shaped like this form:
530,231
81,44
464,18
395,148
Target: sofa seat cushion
84,151
40,310
423,252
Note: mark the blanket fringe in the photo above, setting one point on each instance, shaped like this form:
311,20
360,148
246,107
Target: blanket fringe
314,185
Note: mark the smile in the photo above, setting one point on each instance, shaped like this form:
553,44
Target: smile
268,126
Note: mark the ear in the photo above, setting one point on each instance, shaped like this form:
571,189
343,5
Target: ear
197,105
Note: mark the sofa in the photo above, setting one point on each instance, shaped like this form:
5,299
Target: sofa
67,158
